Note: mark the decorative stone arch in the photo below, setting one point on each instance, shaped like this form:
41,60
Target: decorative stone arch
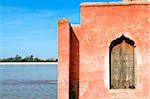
121,62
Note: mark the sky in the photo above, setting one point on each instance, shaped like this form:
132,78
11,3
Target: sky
30,26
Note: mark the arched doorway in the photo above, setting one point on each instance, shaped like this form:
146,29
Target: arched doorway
122,65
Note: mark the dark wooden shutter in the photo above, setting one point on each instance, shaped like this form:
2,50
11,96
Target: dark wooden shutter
122,66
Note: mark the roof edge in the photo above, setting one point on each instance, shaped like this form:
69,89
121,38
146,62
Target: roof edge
92,4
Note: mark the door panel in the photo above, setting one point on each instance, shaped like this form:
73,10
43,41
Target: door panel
122,66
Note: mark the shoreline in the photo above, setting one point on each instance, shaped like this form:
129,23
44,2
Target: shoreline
27,63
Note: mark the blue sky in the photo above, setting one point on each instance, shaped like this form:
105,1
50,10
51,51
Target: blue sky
30,26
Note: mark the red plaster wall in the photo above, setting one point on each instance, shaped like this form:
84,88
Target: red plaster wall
63,57
101,24
74,66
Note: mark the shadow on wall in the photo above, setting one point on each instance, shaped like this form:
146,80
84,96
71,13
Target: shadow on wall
74,66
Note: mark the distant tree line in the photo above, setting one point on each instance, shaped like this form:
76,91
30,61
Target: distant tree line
30,58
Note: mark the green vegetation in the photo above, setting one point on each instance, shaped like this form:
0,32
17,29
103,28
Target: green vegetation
30,58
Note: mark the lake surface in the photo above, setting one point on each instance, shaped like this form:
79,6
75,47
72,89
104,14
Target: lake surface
28,81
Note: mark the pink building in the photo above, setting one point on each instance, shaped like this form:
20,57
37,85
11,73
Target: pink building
106,56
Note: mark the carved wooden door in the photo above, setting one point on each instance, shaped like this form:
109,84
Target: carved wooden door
122,66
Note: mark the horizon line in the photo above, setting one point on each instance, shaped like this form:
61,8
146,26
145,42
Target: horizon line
27,63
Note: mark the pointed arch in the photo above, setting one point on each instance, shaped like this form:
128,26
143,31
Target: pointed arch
120,40
121,59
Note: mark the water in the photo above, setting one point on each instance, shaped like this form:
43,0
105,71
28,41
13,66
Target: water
28,81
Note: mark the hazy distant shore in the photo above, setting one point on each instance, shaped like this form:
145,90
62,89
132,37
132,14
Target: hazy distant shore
24,63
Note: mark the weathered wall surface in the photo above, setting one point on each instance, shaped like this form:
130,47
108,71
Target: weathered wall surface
63,57
74,66
100,25
68,65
